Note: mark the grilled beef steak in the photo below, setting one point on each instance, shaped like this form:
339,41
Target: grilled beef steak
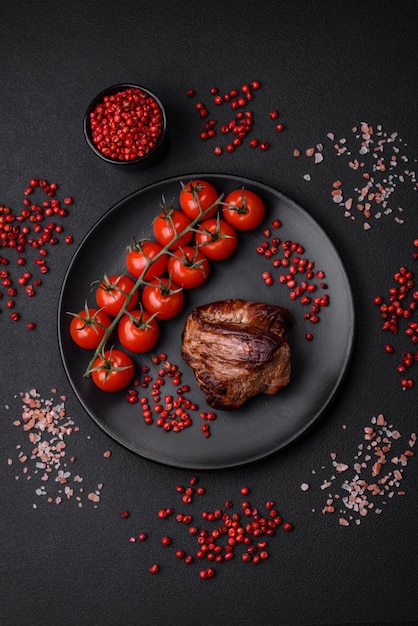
237,349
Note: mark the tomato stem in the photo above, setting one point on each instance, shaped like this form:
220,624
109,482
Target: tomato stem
140,281
139,321
87,319
107,365
241,210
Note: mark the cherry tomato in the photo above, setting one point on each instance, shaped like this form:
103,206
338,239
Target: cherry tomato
138,331
216,239
188,267
163,298
112,293
139,255
198,196
248,209
88,327
168,225
113,370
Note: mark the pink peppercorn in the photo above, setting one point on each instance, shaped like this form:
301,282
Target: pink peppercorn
128,137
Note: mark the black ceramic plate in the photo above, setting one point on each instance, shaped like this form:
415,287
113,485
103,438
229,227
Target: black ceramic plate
264,424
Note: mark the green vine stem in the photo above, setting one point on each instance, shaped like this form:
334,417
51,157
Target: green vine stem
140,280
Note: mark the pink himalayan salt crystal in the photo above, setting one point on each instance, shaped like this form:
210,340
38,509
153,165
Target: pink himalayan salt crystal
341,467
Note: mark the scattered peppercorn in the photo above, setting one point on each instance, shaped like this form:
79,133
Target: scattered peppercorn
248,530
397,310
287,257
172,414
30,229
241,124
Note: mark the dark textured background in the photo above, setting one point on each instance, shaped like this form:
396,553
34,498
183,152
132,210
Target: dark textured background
326,66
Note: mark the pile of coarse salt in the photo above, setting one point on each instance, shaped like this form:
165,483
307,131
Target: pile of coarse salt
379,158
45,460
374,476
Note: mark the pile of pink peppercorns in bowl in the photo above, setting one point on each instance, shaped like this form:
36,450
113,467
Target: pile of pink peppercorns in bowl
126,124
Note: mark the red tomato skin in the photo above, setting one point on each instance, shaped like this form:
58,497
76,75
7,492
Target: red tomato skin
219,248
113,381
111,300
166,228
187,276
137,259
251,203
89,335
196,197
164,307
138,339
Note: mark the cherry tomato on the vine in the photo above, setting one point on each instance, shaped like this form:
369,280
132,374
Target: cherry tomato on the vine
188,267
216,239
247,209
88,327
138,331
198,196
112,293
113,370
168,225
163,298
140,254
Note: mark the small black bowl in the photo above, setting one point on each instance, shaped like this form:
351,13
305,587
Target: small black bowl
150,154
